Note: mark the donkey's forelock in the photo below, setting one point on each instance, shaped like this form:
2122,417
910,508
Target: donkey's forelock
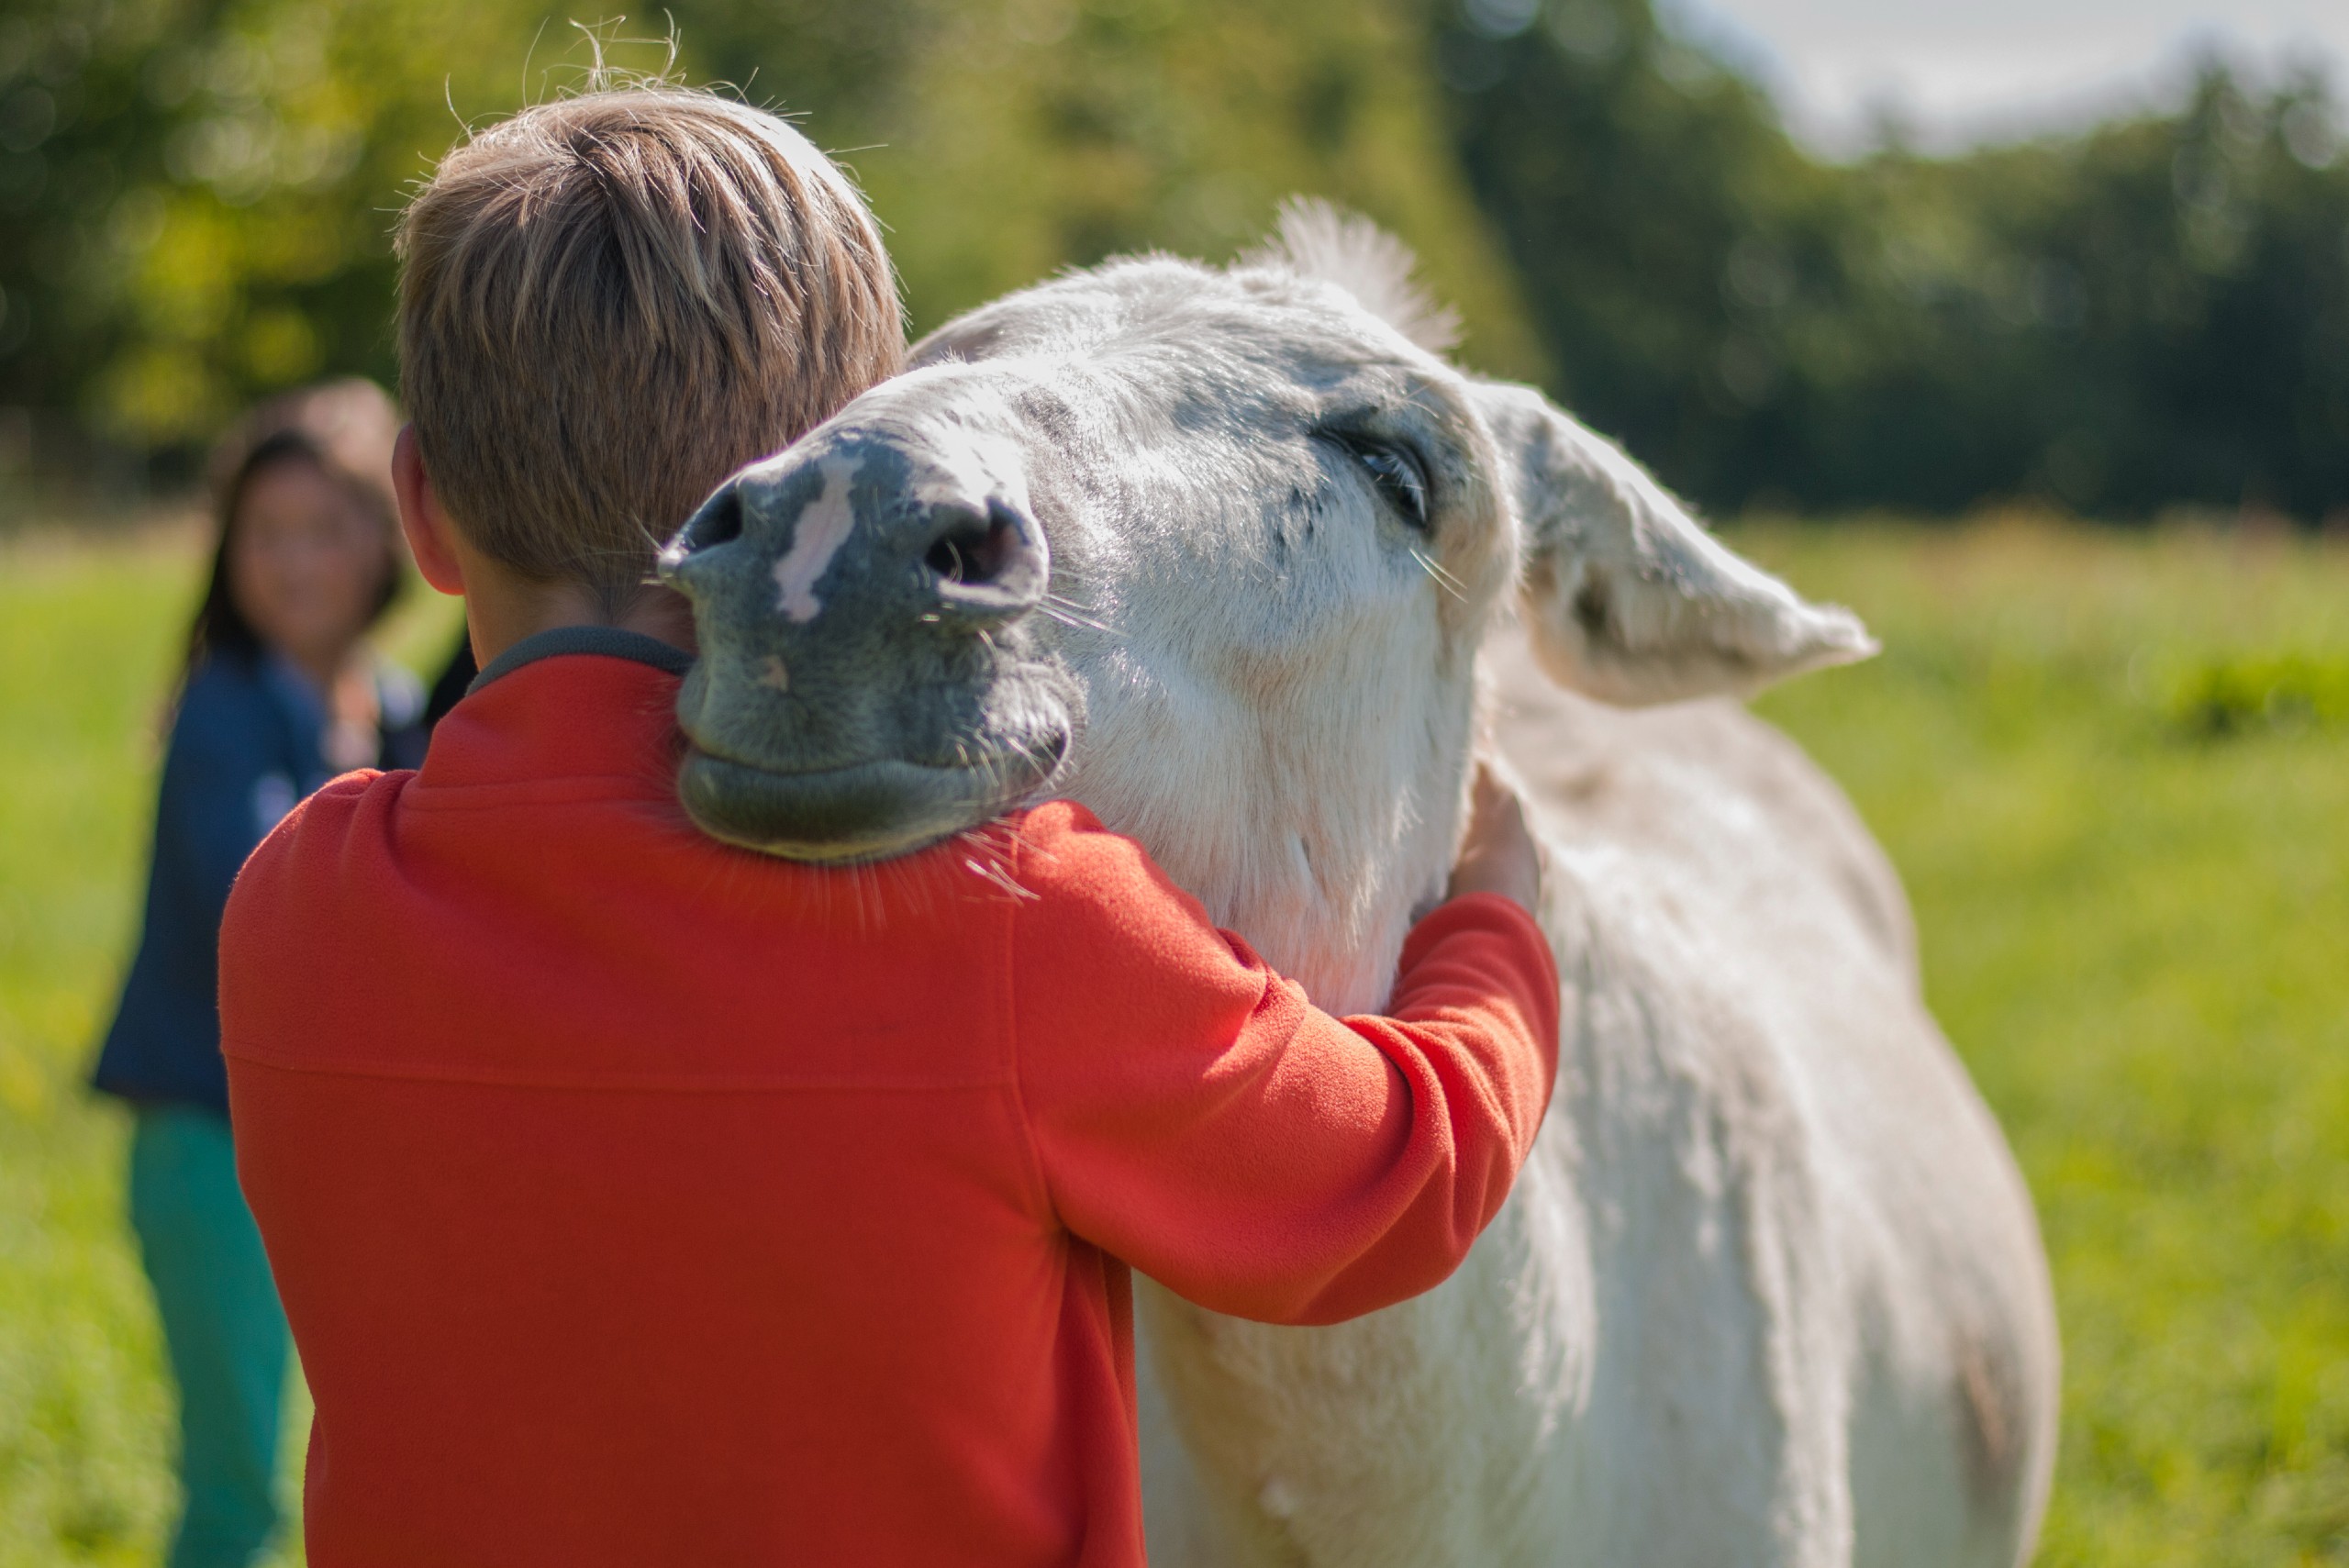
1316,240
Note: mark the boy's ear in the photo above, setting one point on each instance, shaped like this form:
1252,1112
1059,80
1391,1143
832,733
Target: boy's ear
429,538
1627,597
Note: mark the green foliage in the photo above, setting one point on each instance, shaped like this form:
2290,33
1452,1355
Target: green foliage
1623,169
1041,134
2166,300
2153,313
2225,695
196,199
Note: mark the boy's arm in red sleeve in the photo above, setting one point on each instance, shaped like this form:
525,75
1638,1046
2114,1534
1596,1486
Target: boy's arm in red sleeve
1196,1115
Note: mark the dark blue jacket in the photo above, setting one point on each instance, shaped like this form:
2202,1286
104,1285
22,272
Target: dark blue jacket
246,745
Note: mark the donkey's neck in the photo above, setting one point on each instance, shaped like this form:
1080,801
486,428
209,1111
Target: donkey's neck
1323,884
1332,921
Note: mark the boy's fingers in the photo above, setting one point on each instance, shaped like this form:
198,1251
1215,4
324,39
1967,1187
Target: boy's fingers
1497,853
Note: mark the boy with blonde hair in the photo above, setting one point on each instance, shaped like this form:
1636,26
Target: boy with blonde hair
608,304
627,1207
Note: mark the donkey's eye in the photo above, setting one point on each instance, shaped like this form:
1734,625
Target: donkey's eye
1399,478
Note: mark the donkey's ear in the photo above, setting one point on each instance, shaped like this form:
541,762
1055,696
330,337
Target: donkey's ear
1627,598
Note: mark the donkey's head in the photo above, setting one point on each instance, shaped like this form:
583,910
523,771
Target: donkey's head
1211,551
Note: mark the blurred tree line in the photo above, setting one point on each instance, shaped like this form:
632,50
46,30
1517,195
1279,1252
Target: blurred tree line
196,199
2152,313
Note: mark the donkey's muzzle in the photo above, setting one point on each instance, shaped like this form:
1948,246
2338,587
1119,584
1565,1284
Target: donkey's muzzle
867,680
936,552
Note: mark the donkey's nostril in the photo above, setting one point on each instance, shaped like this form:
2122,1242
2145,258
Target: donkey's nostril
719,521
974,553
946,557
983,565
716,521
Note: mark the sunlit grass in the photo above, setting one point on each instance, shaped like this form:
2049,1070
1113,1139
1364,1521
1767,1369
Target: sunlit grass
2137,932
88,638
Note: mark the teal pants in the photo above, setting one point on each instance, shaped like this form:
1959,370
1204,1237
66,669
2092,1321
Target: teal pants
222,1325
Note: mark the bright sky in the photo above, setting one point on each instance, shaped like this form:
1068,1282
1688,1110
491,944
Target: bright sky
1964,70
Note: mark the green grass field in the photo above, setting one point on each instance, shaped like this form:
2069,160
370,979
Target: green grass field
2114,770
87,635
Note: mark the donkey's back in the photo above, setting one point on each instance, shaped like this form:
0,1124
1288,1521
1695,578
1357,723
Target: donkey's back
1756,1108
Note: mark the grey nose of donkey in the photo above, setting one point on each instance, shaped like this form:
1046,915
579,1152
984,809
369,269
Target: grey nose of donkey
857,533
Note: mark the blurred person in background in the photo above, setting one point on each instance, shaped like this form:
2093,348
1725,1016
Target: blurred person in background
278,693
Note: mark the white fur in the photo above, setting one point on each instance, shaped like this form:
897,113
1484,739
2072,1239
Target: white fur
1316,239
1769,1290
1632,602
823,527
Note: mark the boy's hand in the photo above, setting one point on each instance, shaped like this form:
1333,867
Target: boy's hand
1498,854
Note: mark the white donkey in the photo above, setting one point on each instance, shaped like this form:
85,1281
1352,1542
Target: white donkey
1217,552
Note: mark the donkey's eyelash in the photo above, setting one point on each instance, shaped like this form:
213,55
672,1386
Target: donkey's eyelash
1395,470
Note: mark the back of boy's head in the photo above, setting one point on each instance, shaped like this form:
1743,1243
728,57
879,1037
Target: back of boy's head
610,302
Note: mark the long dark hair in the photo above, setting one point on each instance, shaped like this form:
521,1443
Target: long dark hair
345,429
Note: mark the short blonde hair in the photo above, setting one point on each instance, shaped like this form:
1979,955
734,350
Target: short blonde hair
610,302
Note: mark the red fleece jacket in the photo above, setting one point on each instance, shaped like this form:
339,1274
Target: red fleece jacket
636,1200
